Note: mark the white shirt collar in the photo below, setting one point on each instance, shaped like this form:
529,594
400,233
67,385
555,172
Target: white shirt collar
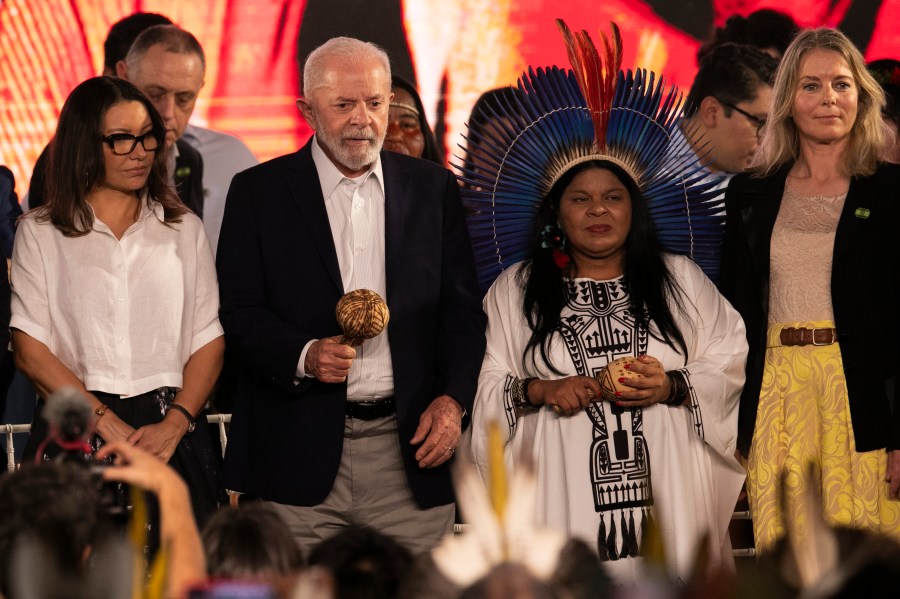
148,206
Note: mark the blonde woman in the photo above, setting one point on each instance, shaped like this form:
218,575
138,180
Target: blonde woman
811,262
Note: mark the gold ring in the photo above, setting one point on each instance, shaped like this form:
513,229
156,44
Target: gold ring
556,408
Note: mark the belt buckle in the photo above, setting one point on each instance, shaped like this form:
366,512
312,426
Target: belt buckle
821,344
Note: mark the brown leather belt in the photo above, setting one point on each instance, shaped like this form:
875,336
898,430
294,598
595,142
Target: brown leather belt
371,409
801,336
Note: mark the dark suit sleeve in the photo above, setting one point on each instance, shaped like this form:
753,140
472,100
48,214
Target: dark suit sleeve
737,284
268,343
462,319
894,379
733,226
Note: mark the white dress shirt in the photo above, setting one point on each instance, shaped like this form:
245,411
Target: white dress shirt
124,315
356,215
223,157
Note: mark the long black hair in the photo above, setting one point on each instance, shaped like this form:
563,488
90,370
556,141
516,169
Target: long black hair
648,280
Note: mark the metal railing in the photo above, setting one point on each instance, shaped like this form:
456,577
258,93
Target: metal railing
10,429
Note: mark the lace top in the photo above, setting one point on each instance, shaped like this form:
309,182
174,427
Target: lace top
802,248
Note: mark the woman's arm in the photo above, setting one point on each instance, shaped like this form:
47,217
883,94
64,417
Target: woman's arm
47,373
178,530
200,375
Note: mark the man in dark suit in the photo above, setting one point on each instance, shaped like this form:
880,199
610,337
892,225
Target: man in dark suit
329,434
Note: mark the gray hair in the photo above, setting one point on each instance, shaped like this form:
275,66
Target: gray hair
346,49
173,38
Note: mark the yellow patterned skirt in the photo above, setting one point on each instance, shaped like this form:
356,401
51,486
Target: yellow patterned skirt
804,417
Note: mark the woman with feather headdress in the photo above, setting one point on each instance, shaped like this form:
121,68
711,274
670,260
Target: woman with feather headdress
593,229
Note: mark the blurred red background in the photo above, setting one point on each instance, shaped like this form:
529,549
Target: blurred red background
457,49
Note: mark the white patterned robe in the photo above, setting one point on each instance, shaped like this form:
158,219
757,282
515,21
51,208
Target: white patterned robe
600,475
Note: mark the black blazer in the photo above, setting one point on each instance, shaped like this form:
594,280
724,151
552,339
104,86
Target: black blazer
279,283
865,289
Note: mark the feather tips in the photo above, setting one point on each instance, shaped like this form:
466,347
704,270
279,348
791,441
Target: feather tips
500,525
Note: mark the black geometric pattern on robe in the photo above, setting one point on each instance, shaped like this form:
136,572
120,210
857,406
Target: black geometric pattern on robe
693,405
600,329
508,405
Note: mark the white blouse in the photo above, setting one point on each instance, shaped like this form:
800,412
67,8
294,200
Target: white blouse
124,315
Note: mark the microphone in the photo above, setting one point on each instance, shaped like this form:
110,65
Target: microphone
68,414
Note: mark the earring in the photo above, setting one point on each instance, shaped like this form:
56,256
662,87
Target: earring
554,239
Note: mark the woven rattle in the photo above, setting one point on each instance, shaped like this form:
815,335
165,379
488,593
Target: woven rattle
362,314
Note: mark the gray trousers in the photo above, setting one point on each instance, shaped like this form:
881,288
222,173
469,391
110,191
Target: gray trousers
371,490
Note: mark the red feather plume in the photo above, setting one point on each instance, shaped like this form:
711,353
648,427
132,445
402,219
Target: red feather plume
596,77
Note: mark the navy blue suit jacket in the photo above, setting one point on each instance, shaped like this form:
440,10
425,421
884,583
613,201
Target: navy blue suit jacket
279,284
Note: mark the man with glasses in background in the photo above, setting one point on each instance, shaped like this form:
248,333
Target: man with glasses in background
727,107
178,59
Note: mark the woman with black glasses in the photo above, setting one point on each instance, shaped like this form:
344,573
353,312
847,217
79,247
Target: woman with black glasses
114,288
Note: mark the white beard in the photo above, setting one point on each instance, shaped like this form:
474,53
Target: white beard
353,159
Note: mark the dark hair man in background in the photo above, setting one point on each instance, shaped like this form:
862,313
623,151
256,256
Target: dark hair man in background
728,105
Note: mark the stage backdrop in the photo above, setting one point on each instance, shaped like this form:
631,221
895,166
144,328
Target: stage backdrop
453,49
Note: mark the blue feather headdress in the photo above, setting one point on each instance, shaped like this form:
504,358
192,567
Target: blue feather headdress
559,119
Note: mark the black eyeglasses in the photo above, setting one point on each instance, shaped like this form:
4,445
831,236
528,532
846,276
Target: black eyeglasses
760,123
123,144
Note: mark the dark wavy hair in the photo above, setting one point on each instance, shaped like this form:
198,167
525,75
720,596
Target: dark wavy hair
365,563
55,504
731,73
763,28
248,542
123,33
76,165
647,278
886,72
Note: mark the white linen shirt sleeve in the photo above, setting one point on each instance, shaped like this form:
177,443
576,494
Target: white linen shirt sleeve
206,326
30,310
